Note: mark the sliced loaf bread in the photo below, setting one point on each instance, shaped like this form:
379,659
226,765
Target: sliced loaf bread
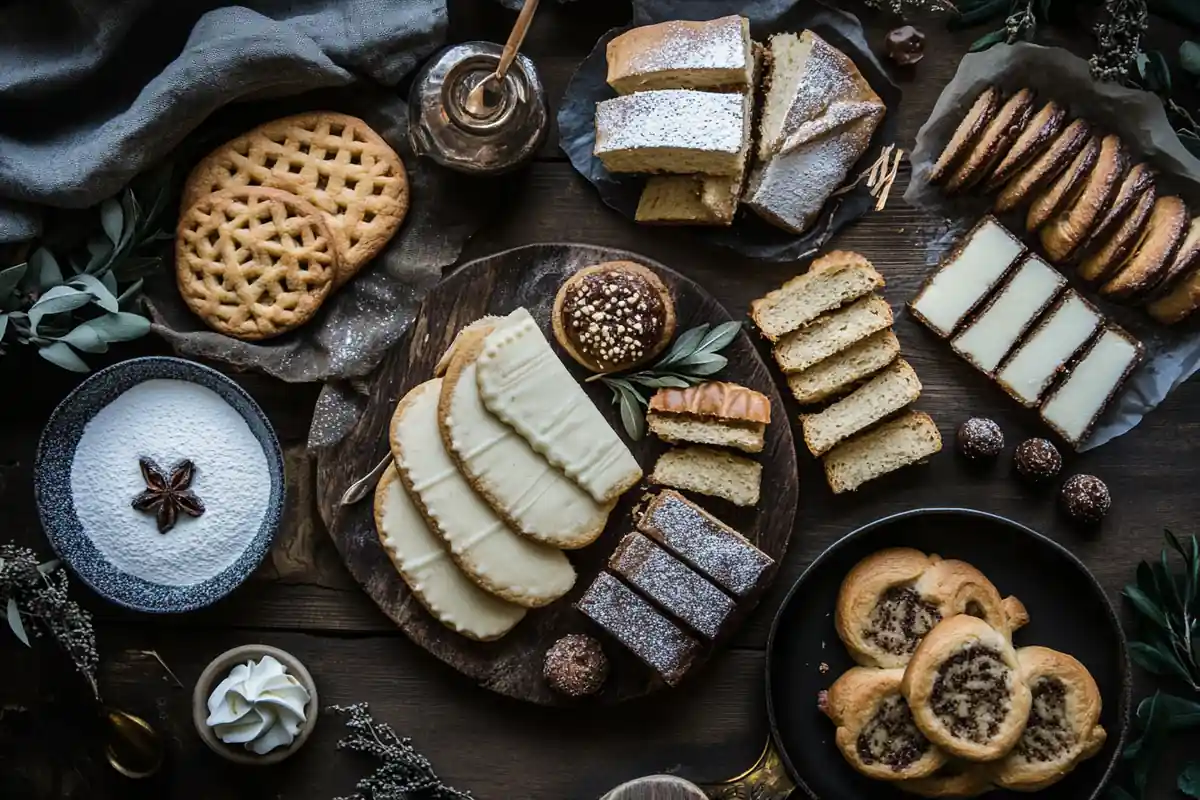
831,281
832,333
905,440
838,373
716,473
888,392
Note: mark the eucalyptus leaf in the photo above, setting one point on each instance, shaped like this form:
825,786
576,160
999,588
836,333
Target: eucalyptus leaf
45,268
112,219
100,251
110,283
84,337
659,381
3,324
131,292
46,567
132,214
719,337
120,327
986,41
61,354
700,360
1153,660
685,344
14,621
632,417
1189,58
90,284
978,13
1145,581
1180,713
1189,780
134,267
10,278
1149,746
56,301
1145,606
1157,73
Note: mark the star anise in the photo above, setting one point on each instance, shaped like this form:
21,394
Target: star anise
167,495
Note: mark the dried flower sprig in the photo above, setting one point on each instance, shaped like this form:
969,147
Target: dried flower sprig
35,600
1119,39
902,7
404,772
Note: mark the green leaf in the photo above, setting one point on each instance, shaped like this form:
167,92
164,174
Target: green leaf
112,219
1145,751
46,567
702,364
719,337
979,13
9,278
1155,72
1189,58
1181,714
653,381
129,206
984,42
1145,606
14,621
84,337
104,298
131,292
120,327
1116,792
1189,780
1152,659
3,325
632,417
1146,582
62,355
134,267
685,344
45,268
55,301
100,251
110,283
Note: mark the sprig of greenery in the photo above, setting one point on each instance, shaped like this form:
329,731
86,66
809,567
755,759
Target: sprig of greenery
693,357
1168,613
81,299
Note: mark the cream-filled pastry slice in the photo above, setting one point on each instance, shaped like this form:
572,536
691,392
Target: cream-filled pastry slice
1010,312
491,554
1074,406
425,565
524,383
966,277
1028,373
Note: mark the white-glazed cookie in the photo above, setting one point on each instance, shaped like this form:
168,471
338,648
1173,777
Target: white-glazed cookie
893,597
488,551
534,498
425,565
524,384
1063,727
875,729
965,689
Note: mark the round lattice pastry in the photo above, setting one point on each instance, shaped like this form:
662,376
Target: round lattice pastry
333,161
254,262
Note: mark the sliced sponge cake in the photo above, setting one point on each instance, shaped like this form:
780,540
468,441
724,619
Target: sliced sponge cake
885,394
716,473
831,281
838,373
832,333
895,444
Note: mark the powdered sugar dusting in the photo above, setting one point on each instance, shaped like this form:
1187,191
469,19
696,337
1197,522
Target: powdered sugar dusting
170,420
671,118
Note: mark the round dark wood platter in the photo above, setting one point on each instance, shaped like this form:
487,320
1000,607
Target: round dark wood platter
530,276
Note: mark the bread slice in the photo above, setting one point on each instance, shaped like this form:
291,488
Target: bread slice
1168,225
1138,181
1037,136
994,143
1178,303
830,282
905,440
673,130
748,437
689,200
680,54
839,372
888,392
1045,167
1065,232
1065,187
704,470
1100,263
832,333
1075,405
968,131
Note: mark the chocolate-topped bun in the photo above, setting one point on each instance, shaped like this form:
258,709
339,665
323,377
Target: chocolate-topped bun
613,316
575,665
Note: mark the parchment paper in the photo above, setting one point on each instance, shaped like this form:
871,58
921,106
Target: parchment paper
1172,353
355,326
749,234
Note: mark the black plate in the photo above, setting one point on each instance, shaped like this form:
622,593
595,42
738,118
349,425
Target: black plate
749,234
1068,608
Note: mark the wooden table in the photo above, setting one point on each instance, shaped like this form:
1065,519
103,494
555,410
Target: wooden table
303,600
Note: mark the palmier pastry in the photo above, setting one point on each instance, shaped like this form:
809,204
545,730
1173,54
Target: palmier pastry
953,779
892,598
1063,727
965,689
875,729
613,316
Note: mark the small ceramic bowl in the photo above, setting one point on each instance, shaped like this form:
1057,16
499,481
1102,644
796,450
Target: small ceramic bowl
218,669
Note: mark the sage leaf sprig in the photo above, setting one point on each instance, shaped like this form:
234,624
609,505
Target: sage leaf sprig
1167,606
693,357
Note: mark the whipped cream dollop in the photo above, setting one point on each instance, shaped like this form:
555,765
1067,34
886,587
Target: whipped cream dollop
259,706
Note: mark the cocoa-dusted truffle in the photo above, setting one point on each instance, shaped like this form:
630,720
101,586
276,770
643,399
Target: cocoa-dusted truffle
1085,498
1037,460
575,665
905,45
980,438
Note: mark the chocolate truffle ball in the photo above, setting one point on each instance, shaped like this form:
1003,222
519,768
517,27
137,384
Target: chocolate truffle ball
1085,498
575,665
980,438
1037,460
905,45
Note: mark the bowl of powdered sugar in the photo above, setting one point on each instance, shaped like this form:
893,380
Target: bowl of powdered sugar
160,482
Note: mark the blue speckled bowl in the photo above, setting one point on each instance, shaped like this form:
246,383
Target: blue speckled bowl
52,483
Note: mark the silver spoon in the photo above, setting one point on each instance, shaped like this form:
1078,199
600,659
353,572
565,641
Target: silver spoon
485,95
359,489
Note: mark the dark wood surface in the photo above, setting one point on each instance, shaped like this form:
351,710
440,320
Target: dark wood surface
304,600
529,276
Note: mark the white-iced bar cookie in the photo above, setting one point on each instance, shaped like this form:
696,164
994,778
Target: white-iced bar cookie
523,383
1031,369
1074,406
488,551
425,565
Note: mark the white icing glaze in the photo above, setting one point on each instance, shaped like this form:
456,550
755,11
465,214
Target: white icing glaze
1029,372
486,549
959,285
523,383
1084,394
425,565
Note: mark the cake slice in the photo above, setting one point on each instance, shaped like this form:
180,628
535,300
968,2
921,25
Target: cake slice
832,333
905,440
688,200
967,275
715,413
888,392
1164,233
831,281
965,135
1045,353
1073,408
1099,264
706,543
1062,191
671,584
1037,136
673,130
840,371
705,470
1021,300
681,54
1065,232
994,142
1044,168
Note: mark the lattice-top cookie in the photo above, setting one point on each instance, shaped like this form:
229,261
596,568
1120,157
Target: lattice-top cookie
254,262
333,161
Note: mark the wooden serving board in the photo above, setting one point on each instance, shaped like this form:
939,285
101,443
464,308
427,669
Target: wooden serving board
530,276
